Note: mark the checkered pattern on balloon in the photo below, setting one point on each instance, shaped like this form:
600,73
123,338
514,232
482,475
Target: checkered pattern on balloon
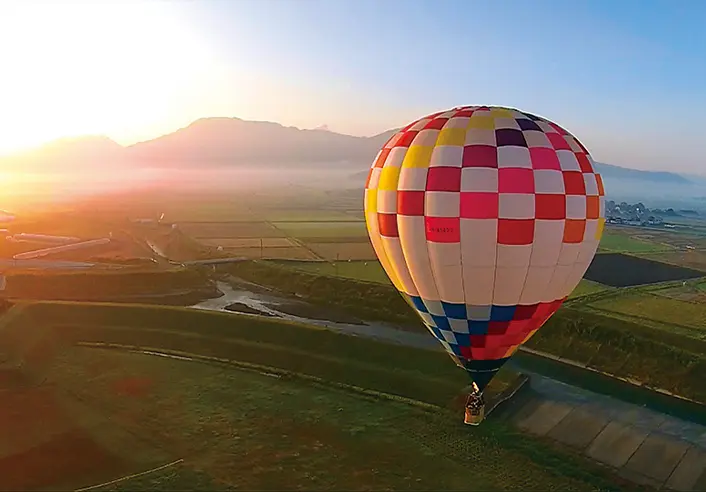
485,219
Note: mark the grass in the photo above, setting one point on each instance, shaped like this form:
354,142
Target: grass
626,348
658,308
248,431
252,431
370,270
623,243
290,346
108,285
586,287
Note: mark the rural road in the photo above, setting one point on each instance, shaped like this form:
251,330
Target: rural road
644,445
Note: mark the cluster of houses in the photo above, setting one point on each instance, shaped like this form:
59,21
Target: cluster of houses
635,214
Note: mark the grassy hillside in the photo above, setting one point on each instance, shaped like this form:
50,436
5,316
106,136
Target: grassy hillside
184,286
276,430
250,431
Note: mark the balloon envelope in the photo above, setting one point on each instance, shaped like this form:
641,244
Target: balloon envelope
485,219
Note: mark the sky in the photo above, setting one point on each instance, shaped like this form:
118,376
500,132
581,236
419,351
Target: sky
628,78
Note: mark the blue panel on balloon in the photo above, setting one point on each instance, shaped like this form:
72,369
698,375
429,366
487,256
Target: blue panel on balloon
442,322
463,339
455,311
418,304
478,327
456,349
502,313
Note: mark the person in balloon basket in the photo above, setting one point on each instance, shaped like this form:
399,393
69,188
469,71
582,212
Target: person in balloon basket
475,407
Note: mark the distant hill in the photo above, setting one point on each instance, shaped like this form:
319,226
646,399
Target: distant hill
74,153
233,142
611,171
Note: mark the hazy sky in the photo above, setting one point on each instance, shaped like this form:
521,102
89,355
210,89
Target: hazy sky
628,77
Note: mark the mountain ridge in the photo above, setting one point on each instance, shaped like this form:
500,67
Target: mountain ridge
233,142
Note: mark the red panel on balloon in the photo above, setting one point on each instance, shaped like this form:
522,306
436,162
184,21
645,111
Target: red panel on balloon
516,231
443,229
388,225
479,205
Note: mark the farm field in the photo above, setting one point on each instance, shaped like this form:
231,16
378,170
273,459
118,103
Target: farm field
690,291
370,271
232,230
322,229
621,241
619,270
268,242
695,259
253,431
304,240
659,308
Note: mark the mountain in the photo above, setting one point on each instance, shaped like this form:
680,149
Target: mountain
56,156
233,142
616,172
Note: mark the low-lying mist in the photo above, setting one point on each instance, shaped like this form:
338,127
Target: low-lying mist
22,190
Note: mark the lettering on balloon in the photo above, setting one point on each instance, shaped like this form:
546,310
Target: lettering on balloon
442,230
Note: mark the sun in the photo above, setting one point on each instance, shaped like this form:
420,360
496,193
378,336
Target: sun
93,68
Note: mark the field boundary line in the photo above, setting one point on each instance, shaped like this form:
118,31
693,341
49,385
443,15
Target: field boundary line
296,241
134,475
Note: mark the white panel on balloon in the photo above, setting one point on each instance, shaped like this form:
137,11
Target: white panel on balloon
536,284
479,242
555,290
445,259
478,283
508,285
548,237
414,245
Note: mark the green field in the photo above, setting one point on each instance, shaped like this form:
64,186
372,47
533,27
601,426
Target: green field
253,432
619,242
658,308
370,271
274,429
177,285
322,229
586,287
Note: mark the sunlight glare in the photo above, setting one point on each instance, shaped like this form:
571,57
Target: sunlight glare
93,68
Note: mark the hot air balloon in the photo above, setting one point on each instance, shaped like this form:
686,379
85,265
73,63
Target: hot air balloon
485,219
